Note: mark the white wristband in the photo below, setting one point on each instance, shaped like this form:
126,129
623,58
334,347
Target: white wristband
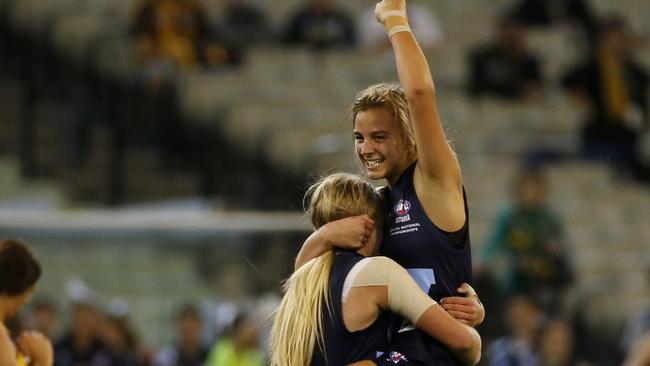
398,29
390,13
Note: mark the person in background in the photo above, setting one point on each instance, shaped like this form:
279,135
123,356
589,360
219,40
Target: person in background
18,277
639,354
244,24
557,345
517,348
637,324
612,90
532,236
190,349
321,24
177,32
504,67
81,344
120,340
170,38
42,317
543,13
238,346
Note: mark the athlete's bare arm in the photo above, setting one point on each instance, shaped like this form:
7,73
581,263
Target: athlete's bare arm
437,175
462,340
383,284
348,233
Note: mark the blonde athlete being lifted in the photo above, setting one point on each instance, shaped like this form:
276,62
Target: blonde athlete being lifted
399,137
335,310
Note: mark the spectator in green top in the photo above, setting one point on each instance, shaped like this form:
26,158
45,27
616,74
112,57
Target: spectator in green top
531,236
239,346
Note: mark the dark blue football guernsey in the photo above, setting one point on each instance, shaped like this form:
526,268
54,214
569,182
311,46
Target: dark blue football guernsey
438,260
343,347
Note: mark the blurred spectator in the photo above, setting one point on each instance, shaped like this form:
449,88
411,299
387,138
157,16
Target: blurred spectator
640,353
81,345
557,345
120,340
189,349
422,21
505,67
171,33
239,346
532,237
638,324
547,12
42,317
321,24
244,24
613,91
171,36
517,348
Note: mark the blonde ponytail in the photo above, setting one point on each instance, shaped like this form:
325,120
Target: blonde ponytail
298,324
298,327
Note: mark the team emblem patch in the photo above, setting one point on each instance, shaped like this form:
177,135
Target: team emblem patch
396,357
402,207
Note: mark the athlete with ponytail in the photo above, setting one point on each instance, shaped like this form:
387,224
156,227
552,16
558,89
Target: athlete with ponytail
335,310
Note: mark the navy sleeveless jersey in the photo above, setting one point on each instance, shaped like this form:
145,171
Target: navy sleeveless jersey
343,347
438,260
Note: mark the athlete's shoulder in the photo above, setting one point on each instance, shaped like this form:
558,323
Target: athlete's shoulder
379,264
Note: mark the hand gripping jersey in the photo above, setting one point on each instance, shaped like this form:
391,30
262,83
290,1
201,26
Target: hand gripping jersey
438,260
343,347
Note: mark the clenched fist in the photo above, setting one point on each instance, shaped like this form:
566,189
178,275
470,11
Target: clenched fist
37,347
386,8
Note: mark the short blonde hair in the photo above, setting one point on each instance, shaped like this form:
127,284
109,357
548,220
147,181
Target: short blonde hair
390,96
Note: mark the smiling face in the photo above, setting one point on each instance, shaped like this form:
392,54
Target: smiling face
381,147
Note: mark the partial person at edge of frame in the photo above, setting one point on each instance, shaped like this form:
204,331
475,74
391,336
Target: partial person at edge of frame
20,272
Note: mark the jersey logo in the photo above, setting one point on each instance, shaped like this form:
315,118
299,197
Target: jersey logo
402,207
402,210
396,357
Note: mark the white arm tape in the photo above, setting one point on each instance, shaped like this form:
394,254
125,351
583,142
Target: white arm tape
404,295
390,13
398,29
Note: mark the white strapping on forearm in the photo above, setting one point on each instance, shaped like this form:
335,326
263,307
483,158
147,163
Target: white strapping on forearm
390,13
398,29
404,295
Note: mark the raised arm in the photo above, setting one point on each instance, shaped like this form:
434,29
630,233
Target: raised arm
436,159
348,233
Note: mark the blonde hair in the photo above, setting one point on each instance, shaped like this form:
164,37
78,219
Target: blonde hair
390,96
297,327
